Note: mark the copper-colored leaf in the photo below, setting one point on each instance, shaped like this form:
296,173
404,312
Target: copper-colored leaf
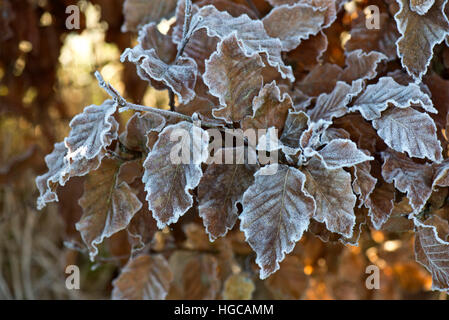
234,77
108,206
221,188
276,212
143,278
419,35
168,180
341,153
408,130
333,196
291,24
139,128
269,109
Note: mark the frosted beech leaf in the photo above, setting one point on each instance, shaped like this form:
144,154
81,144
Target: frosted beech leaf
60,170
377,97
364,183
269,109
168,176
139,128
251,33
235,78
276,212
333,196
143,278
409,177
360,130
155,59
140,12
295,125
432,251
341,153
221,188
291,24
408,130
361,65
380,204
381,40
57,175
334,104
419,35
321,79
421,6
92,131
108,207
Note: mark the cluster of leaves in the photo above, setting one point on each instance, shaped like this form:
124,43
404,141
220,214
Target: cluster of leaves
355,139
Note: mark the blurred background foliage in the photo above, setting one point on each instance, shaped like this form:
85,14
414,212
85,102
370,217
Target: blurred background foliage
46,77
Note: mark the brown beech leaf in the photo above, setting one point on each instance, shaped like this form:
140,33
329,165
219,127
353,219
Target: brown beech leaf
321,79
276,212
169,176
292,24
380,204
140,12
308,54
409,177
419,34
341,153
195,276
254,39
377,97
297,122
269,109
364,183
334,104
108,206
333,196
441,174
155,59
221,188
432,251
238,287
369,40
146,277
361,65
92,131
290,282
235,78
408,130
139,129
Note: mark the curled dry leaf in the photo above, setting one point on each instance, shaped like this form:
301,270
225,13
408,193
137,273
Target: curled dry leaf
221,188
333,196
276,212
251,33
411,131
377,97
234,78
419,34
364,183
334,104
146,277
295,125
361,65
409,177
380,204
156,61
141,131
169,177
269,109
341,153
292,24
140,12
108,206
432,251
